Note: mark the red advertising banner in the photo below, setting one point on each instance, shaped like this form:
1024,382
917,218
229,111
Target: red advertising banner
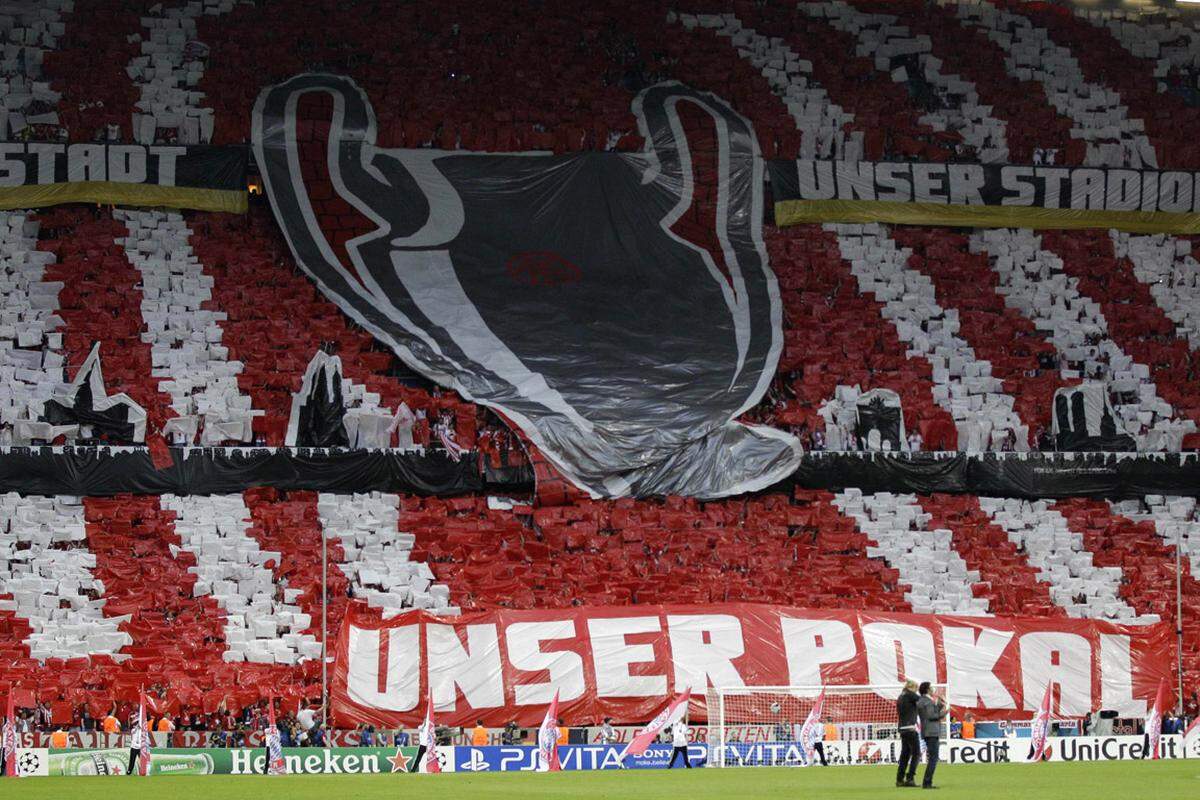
628,662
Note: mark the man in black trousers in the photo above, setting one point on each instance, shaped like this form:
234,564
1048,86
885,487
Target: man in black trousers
909,723
932,711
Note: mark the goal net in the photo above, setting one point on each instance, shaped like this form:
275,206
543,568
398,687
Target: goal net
760,725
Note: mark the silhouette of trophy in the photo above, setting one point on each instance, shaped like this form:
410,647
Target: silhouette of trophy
553,288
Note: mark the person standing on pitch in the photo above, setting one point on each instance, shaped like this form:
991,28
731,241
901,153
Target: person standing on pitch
932,711
679,741
136,733
909,724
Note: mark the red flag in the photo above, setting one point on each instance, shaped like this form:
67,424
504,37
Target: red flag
141,737
160,453
1192,732
1154,721
548,740
669,716
1039,730
812,731
10,738
427,738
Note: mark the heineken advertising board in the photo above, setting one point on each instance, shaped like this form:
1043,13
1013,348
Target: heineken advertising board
37,762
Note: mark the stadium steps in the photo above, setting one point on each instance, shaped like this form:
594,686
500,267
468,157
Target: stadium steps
1168,268
287,523
836,336
1006,579
1061,556
881,109
101,302
1103,60
1135,321
1030,121
899,532
1146,562
88,69
277,320
998,334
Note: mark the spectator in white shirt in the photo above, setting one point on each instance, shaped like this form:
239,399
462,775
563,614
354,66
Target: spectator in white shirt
306,718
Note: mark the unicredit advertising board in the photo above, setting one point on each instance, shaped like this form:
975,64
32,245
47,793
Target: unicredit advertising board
628,662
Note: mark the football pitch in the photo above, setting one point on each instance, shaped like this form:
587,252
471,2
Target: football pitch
1176,778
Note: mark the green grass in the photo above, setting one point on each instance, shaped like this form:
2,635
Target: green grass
1009,781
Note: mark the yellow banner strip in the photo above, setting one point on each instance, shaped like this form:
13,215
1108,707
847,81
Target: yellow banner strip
123,194
796,212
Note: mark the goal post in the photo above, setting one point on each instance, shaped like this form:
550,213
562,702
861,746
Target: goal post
760,725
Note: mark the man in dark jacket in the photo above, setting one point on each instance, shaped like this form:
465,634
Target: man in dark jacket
932,729
909,724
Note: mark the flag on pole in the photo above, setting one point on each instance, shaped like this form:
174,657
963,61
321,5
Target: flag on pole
669,716
1154,722
10,738
812,729
548,740
427,738
1039,730
275,763
141,737
446,437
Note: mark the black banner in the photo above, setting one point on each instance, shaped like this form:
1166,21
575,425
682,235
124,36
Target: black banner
48,173
986,195
1113,476
104,471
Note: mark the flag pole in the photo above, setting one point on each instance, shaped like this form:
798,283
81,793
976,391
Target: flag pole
324,633
1178,619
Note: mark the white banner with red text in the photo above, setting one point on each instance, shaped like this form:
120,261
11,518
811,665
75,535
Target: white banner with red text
627,662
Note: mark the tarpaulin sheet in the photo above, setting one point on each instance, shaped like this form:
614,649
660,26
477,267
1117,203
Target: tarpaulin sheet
566,291
628,662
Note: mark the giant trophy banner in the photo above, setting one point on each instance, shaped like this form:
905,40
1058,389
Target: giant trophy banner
628,662
617,307
986,195
34,174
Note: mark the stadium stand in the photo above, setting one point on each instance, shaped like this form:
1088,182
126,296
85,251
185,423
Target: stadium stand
185,339
167,71
898,528
96,94
1101,58
1028,122
205,322
99,302
1102,120
33,358
897,50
